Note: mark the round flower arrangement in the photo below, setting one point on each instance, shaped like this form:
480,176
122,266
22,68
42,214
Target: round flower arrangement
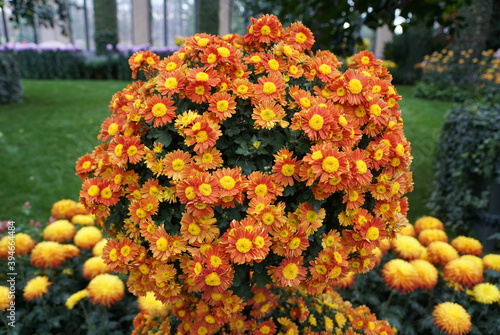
247,163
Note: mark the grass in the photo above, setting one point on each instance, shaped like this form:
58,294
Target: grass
42,138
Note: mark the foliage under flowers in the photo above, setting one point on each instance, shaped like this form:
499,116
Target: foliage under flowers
458,75
429,283
247,163
62,285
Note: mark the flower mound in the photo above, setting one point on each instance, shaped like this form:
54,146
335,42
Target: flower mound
452,318
243,161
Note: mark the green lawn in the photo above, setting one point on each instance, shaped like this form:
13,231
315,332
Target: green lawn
42,138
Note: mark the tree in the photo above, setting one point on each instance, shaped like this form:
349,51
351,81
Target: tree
106,25
207,16
336,24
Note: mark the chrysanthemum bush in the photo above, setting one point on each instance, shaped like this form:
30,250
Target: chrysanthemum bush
249,173
62,285
430,283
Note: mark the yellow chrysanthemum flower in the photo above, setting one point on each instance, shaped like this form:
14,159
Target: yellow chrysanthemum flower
427,236
48,254
492,261
407,230
439,252
467,245
36,287
97,249
66,209
106,289
462,271
485,293
452,318
400,275
149,304
24,244
427,272
5,298
75,298
428,222
94,266
87,237
408,247
59,231
83,219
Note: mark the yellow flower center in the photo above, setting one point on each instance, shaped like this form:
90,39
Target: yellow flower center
205,189
112,129
267,115
255,59
325,69
395,187
400,149
200,90
242,89
268,218
361,166
336,271
223,51
118,150
355,86
269,87
227,182
291,271
305,102
113,255
376,89
86,165
215,261
189,193
353,196
178,164
372,233
293,69
159,110
212,279
379,153
171,83
138,58
341,91
131,151
194,229
222,105
300,38
212,58
201,136
288,170
365,60
259,242
106,193
265,30
316,122
317,155
261,190
161,244
375,110
330,164
273,64
265,329
207,158
202,42
244,245
93,190
202,76
170,66
294,243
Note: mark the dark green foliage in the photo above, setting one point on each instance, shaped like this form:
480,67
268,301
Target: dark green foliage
106,25
207,16
50,64
11,89
467,164
408,49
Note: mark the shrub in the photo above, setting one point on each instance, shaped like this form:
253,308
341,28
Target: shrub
417,273
467,165
11,89
457,76
247,173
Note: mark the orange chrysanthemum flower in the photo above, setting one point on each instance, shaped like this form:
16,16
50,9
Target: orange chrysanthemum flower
355,84
467,245
492,261
270,88
267,114
317,123
299,36
209,159
243,88
286,168
126,149
441,253
160,110
223,105
6,299
94,266
452,318
246,244
48,254
290,272
463,272
24,244
265,29
174,163
36,287
408,247
87,237
401,275
202,135
262,185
